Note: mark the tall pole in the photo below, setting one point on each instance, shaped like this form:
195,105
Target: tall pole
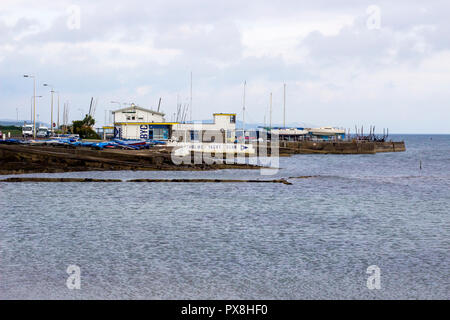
51,110
33,98
34,108
58,112
51,118
270,112
284,107
31,110
191,99
243,113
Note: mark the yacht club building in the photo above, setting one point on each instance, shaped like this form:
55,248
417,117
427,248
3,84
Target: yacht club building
135,122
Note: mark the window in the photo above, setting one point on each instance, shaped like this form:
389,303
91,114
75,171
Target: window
233,119
128,118
194,135
158,133
133,118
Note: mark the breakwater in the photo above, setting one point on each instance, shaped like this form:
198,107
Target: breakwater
340,147
56,180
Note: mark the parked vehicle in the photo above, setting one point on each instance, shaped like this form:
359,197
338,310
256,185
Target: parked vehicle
27,130
43,132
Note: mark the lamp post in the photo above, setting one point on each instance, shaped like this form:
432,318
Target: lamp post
51,117
57,121
34,103
31,119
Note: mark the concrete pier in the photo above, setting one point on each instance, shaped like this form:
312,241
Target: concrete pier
340,147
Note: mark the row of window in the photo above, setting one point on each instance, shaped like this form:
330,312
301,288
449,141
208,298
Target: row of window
134,118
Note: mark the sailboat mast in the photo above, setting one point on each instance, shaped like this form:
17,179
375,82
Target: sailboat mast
190,103
243,113
284,107
270,112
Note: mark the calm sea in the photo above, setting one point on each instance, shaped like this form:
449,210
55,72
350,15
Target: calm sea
310,240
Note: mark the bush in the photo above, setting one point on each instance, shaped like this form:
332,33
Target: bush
84,128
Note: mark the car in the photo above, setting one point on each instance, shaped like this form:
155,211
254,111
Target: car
43,132
1,135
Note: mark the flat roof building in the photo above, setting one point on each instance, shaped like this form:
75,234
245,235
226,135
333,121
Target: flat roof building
135,122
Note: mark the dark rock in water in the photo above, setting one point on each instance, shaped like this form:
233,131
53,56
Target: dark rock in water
211,181
30,179
26,179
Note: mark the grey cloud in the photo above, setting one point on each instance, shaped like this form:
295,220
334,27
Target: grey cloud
214,50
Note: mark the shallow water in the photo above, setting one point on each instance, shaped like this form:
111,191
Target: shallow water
312,239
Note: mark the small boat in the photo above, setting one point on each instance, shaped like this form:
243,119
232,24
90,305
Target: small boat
289,131
326,131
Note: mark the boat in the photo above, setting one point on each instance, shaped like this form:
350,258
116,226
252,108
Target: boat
326,131
289,131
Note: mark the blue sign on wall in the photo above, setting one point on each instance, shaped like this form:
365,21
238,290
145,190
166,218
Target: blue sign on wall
144,134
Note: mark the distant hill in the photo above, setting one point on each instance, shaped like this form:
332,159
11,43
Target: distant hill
288,125
7,122
275,125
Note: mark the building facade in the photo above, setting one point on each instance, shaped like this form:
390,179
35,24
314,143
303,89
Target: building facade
221,130
135,122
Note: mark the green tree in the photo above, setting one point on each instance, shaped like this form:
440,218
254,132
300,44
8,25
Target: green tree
84,128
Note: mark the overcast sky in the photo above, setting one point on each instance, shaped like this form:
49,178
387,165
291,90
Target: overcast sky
345,63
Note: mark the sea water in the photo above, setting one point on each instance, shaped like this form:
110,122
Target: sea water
314,239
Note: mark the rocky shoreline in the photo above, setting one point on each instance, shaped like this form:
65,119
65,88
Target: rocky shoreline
19,159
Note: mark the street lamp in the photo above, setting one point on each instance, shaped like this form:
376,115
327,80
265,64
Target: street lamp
34,104
58,112
51,119
31,119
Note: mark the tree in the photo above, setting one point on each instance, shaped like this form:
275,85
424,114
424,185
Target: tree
84,128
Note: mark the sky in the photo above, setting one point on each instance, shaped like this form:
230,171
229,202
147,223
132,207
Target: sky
345,63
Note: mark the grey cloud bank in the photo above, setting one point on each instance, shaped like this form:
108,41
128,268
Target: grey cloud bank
338,72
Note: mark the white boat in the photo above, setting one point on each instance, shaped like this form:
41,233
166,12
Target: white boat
290,131
326,131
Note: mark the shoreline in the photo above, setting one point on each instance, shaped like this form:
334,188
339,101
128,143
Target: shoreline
29,159
17,159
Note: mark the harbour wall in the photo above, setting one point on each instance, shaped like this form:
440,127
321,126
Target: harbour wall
340,147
